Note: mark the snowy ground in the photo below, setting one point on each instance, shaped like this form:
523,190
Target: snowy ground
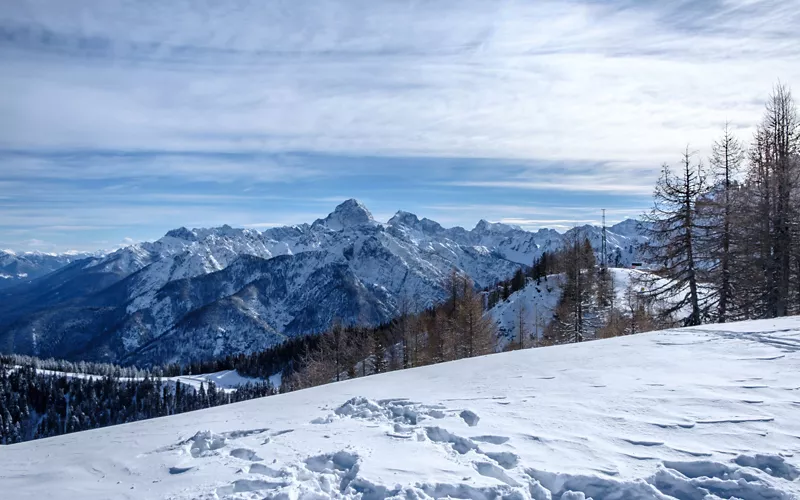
227,380
705,413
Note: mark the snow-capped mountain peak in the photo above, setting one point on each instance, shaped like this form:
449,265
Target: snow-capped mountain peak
163,300
484,227
403,218
627,227
351,213
182,233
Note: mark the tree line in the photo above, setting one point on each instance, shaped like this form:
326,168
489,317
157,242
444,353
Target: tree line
36,404
81,367
457,328
723,241
727,233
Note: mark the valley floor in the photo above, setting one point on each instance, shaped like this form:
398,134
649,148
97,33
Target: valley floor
703,413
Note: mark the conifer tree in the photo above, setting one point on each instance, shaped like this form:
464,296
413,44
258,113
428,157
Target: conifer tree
573,321
673,228
769,210
726,159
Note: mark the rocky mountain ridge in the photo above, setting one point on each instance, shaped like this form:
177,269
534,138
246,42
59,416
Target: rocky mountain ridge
199,293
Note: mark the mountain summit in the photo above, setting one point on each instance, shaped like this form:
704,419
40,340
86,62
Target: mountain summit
351,213
484,226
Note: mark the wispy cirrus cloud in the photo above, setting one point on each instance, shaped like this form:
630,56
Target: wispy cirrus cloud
574,184
183,106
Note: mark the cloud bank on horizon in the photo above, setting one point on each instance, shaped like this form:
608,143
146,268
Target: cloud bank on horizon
122,119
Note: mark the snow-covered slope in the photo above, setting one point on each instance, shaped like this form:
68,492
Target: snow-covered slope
227,380
535,304
538,302
199,293
706,413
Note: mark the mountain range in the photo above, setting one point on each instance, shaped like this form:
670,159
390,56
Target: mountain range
199,293
20,267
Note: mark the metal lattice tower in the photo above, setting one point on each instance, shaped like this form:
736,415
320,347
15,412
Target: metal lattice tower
604,245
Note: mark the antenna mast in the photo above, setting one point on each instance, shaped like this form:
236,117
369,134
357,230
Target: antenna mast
604,246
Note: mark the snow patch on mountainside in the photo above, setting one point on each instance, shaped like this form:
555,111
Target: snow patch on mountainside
703,413
535,303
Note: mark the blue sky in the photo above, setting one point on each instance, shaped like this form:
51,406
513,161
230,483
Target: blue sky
122,119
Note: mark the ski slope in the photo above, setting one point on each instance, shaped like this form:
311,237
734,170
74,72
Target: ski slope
704,413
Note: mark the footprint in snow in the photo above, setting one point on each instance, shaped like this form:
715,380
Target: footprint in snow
506,459
248,486
205,443
491,470
245,454
470,417
492,439
244,433
263,470
773,465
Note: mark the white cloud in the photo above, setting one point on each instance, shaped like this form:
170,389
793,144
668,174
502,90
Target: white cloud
35,243
585,184
576,98
558,81
531,217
